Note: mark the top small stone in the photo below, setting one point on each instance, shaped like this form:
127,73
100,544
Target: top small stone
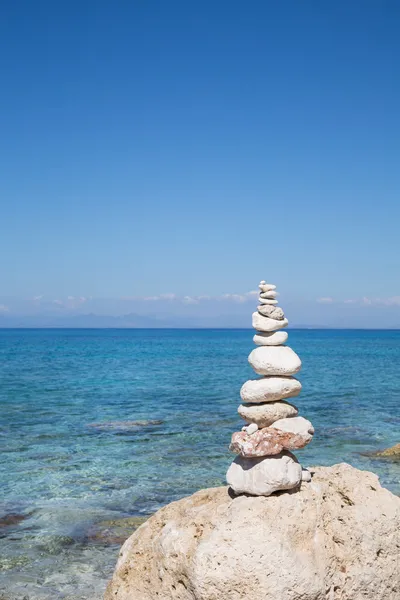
266,287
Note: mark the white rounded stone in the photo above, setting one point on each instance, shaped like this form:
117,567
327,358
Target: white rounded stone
267,413
269,389
266,324
271,295
275,360
252,428
298,425
265,475
273,312
266,287
276,338
305,475
266,301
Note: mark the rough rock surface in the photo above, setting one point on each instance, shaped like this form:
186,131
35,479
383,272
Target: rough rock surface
269,389
274,312
268,441
337,538
266,324
265,414
275,360
270,339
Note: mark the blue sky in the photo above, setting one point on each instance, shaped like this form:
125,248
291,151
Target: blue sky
195,148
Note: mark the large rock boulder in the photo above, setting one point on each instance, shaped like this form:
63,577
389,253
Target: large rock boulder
337,538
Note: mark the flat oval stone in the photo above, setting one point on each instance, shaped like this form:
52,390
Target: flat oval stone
270,339
266,301
266,324
267,441
297,425
269,389
274,312
265,414
275,360
271,295
264,476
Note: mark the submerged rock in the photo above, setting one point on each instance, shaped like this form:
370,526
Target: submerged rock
393,452
121,425
12,519
114,531
336,538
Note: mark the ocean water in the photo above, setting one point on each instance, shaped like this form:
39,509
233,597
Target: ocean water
100,425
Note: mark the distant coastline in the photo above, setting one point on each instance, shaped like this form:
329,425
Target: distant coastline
185,327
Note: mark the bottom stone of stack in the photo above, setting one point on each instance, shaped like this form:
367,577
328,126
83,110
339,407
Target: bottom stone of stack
264,476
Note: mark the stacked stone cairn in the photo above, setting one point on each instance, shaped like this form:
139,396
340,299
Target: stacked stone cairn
264,463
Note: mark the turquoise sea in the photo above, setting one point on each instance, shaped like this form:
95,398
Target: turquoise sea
99,425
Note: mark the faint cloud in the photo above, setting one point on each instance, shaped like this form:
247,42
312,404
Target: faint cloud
4,308
394,301
37,298
365,301
71,302
190,300
234,298
155,298
325,300
237,298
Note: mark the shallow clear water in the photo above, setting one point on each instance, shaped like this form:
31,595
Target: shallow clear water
66,465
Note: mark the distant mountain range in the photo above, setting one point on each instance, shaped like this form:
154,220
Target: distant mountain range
135,321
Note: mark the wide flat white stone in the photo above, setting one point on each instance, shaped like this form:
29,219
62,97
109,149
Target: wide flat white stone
275,360
269,389
265,475
266,324
275,338
266,301
263,415
298,425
